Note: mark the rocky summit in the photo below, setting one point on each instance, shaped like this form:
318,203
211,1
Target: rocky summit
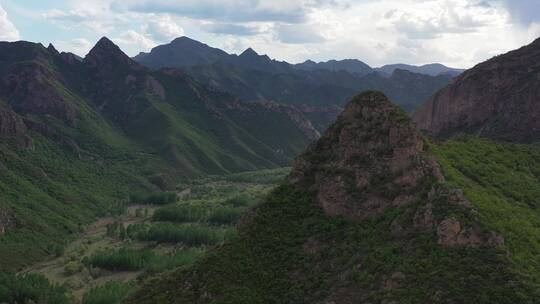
498,99
365,217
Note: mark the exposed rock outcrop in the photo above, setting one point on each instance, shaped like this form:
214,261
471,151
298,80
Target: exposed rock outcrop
31,88
373,159
296,116
498,99
10,123
369,160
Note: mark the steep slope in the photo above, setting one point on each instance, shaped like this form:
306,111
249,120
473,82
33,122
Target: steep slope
497,99
433,69
365,217
78,137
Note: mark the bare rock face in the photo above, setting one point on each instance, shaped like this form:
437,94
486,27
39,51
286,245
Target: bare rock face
498,99
10,124
31,89
296,116
371,159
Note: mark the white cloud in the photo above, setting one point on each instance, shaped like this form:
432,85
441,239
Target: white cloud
79,46
163,28
130,39
8,31
378,32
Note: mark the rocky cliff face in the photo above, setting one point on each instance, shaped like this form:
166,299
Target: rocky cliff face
371,150
10,123
305,126
497,99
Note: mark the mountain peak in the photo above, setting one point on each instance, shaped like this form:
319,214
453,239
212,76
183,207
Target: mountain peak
184,39
52,49
105,52
369,125
249,53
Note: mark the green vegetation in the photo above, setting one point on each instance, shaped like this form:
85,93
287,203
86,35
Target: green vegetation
151,239
502,181
30,288
126,259
225,215
187,234
291,252
154,199
109,293
179,258
181,213
121,260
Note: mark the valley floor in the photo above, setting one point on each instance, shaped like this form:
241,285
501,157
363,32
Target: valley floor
106,262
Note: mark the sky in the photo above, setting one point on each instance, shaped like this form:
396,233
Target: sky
457,33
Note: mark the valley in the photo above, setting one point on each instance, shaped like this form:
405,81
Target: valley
108,259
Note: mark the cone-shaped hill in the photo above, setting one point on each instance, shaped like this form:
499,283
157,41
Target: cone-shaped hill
365,217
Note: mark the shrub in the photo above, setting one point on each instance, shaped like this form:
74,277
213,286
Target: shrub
121,260
191,235
72,268
175,260
110,293
224,215
155,199
180,213
30,288
238,201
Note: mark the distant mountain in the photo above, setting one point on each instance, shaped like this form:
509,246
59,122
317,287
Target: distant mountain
78,137
366,216
349,65
317,86
434,69
181,52
499,99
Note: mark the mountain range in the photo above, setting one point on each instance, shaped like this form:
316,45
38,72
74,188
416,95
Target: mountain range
316,87
79,135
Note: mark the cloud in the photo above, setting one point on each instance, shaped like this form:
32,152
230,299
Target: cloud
231,29
79,46
525,12
163,28
437,18
290,11
132,38
8,31
299,33
93,18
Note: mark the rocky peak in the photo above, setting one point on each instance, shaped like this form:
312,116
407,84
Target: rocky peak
52,49
249,53
106,55
371,151
372,160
